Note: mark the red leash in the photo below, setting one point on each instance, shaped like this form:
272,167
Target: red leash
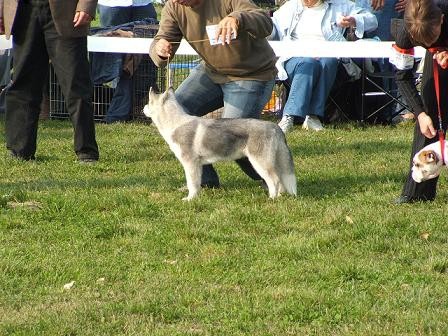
437,88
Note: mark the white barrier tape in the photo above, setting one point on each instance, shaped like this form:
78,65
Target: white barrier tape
130,45
358,49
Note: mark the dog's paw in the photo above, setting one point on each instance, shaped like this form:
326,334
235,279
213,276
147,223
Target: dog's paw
190,196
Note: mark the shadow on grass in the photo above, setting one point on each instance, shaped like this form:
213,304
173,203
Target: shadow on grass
94,183
321,187
365,147
318,187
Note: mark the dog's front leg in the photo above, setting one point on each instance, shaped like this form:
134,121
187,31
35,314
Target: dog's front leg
193,174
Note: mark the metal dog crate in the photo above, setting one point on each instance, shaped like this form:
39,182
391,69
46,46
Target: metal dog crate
145,76
102,95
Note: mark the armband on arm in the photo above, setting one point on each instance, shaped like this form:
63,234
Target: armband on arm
403,59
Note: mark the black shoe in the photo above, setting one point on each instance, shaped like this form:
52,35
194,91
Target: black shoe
19,157
89,157
408,199
210,185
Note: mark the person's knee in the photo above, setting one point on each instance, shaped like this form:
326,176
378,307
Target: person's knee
330,65
308,66
307,62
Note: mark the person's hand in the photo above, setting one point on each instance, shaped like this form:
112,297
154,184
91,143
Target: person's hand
226,27
377,4
442,58
163,48
401,5
426,126
81,18
347,21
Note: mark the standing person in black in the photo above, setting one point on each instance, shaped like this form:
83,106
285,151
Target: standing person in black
425,24
44,30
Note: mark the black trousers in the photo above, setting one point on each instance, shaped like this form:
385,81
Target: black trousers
35,42
427,190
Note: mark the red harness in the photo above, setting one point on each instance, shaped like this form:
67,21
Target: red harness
437,88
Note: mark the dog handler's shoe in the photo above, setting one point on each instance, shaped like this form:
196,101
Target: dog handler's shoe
312,123
210,185
19,157
286,123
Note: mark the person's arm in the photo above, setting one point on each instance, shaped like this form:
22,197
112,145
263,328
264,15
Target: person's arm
281,19
404,74
85,12
405,83
81,18
404,78
165,43
87,6
365,20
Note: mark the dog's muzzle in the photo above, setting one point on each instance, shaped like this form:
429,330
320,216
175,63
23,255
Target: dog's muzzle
146,111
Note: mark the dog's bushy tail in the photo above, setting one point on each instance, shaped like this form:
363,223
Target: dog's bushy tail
285,161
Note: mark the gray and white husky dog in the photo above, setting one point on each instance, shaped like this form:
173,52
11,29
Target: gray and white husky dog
197,141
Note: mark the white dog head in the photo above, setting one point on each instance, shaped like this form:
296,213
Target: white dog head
156,102
427,164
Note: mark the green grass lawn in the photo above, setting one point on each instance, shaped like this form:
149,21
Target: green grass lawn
339,259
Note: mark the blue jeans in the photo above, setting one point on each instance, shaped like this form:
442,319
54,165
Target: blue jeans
241,99
384,17
310,81
112,16
121,104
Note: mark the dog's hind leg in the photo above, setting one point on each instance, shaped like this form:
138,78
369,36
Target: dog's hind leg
193,172
269,175
274,184
285,168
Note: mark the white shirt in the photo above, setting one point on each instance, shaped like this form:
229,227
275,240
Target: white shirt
124,3
309,26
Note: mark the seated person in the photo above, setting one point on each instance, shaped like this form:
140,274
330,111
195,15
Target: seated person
114,13
311,79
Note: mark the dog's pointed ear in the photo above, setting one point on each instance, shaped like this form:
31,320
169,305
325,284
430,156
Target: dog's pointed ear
168,94
431,156
151,94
